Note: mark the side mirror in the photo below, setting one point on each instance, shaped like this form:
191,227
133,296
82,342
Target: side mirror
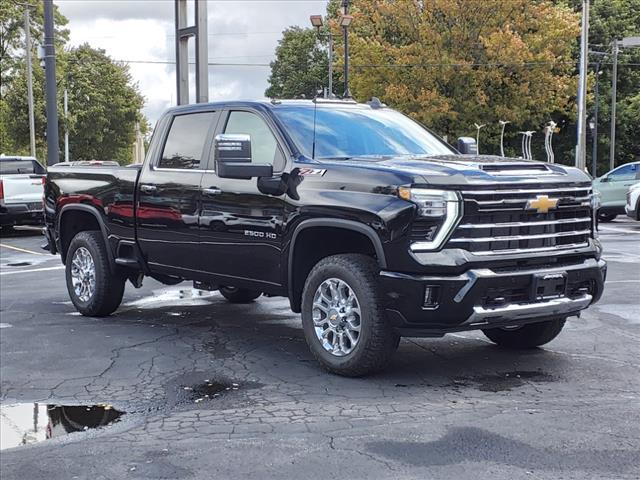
467,146
604,179
232,156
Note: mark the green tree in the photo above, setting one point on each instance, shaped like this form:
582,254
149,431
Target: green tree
12,45
104,106
613,20
301,65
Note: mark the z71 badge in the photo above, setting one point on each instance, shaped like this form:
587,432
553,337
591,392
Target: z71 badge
306,172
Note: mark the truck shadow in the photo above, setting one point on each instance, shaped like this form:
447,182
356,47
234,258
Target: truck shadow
268,336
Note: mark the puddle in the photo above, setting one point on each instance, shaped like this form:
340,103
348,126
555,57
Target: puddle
501,382
206,391
172,297
27,423
19,264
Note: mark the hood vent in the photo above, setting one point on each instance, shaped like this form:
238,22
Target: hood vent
516,168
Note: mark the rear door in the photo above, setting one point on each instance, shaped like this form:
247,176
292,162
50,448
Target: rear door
168,202
241,227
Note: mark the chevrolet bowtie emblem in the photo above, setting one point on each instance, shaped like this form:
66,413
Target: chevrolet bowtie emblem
542,204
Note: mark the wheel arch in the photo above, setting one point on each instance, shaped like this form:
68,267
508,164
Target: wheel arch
86,218
353,233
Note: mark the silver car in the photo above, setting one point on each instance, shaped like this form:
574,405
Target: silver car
613,187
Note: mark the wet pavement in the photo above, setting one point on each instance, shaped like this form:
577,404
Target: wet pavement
213,390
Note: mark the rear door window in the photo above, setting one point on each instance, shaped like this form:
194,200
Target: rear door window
184,147
19,166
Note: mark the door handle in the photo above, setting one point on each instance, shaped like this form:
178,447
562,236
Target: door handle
148,188
210,192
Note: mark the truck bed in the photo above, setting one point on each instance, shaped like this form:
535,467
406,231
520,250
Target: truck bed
109,190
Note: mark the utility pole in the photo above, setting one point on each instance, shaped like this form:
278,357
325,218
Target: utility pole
594,154
614,94
345,21
27,38
183,33
66,126
581,143
53,156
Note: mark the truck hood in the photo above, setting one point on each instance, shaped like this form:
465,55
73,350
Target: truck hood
468,170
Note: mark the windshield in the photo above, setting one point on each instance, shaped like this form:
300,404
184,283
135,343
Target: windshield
345,132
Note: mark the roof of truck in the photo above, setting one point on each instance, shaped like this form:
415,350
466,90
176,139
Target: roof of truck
271,103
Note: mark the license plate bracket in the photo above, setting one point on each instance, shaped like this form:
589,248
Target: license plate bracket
548,285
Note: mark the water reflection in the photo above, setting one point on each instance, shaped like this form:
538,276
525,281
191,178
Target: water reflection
26,423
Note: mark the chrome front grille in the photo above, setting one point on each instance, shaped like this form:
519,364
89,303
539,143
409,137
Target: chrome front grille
500,222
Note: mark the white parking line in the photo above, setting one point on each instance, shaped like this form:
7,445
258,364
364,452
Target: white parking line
32,270
617,230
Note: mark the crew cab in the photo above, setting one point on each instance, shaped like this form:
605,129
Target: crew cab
21,181
372,226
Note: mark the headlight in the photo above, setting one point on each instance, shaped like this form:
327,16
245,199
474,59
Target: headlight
438,211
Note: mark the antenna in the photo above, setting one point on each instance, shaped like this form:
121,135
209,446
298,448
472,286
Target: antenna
313,145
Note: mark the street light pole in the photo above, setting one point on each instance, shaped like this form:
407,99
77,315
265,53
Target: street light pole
317,23
27,37
53,155
582,90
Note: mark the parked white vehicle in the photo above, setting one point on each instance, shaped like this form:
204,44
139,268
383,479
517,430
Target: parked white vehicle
21,190
633,202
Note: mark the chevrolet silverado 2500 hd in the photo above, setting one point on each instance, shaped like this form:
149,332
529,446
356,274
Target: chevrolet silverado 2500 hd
372,226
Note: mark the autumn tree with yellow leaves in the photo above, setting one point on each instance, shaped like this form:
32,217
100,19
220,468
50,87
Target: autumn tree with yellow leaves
450,63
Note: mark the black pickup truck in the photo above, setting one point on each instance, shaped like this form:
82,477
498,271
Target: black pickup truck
371,226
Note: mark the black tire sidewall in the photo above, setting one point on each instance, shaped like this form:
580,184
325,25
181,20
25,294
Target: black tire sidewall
368,310
107,285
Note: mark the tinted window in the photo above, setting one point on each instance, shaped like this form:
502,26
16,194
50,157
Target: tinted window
15,166
185,143
626,172
357,132
264,147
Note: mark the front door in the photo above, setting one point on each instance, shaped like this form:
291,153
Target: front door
241,227
169,195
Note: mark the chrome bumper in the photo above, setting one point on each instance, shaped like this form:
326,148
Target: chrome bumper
550,308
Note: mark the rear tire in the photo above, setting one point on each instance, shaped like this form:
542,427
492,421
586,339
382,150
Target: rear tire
527,336
606,217
342,292
239,295
94,290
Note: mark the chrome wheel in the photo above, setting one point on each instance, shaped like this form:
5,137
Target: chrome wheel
83,274
336,317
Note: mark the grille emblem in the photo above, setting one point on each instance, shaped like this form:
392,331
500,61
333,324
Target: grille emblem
542,203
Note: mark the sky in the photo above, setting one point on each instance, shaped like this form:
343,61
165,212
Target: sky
240,32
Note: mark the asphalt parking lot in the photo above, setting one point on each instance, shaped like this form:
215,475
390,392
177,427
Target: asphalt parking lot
213,390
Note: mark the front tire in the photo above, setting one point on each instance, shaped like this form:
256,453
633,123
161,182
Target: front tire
343,318
239,295
527,336
94,290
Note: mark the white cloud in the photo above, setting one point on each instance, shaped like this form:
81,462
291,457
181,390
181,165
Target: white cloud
142,30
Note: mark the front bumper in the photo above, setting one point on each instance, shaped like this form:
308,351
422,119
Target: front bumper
21,213
487,298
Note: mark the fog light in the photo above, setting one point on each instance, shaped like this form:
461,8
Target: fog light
431,296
